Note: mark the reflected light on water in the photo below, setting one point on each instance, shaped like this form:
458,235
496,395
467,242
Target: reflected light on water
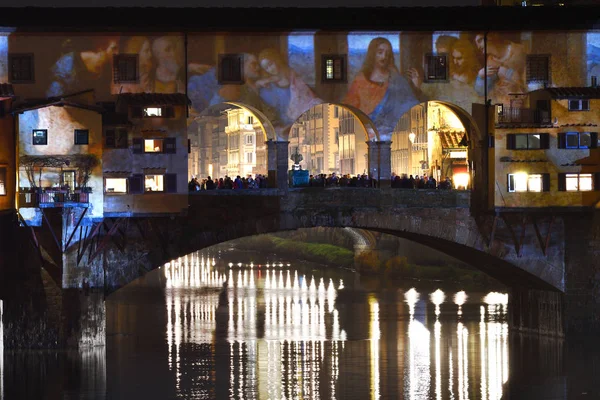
374,335
301,326
437,298
460,298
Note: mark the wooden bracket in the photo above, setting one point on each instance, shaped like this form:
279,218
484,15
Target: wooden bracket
544,242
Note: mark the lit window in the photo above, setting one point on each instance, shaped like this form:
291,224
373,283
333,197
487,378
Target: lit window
2,181
153,183
152,112
517,182
578,182
116,185
534,183
153,146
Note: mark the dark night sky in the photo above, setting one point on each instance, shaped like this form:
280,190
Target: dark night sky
236,3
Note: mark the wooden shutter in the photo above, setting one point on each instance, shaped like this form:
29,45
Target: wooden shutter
171,183
562,140
597,181
168,112
136,184
545,182
510,183
137,112
170,145
544,141
137,145
510,141
594,139
562,182
109,137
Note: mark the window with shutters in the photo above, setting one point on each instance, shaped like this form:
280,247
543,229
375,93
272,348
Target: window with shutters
576,182
82,136
154,183
115,185
577,140
527,141
333,68
436,67
579,105
249,139
538,68
523,182
125,68
40,136
231,69
20,68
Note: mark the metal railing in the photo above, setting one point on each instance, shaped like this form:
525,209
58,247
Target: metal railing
53,198
511,115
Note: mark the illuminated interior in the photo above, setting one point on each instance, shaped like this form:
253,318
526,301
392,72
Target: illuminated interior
153,183
153,145
579,182
152,112
116,185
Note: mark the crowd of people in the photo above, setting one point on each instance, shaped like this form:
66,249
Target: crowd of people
403,181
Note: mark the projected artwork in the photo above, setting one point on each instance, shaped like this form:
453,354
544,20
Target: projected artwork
3,59
380,90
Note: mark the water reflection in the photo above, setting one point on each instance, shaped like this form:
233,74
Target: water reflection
280,332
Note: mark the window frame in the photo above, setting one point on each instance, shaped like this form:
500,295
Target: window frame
544,177
563,185
528,69
564,136
162,146
33,131
544,141
227,78
428,58
127,57
117,193
11,71
342,59
87,137
580,102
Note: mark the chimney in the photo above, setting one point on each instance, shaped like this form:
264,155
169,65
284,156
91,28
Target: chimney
594,81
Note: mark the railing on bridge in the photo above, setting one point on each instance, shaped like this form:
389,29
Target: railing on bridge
512,115
49,198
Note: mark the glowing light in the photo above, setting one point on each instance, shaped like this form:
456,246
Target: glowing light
230,265
437,298
460,298
494,298
374,335
461,180
239,264
411,297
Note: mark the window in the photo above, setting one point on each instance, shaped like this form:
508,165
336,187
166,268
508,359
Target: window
153,112
20,68
575,182
153,145
153,183
115,185
436,67
249,158
231,69
125,68
249,139
116,138
579,105
250,119
577,140
40,136
2,181
336,112
523,141
523,182
538,69
333,68
82,136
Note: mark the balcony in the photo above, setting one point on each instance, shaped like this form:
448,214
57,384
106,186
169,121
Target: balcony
511,115
52,198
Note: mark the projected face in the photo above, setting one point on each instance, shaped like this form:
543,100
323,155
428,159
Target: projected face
251,67
383,55
269,66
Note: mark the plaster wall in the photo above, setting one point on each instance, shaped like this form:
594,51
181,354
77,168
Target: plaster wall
61,123
7,157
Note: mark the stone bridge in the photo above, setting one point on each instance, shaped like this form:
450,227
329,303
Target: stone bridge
548,259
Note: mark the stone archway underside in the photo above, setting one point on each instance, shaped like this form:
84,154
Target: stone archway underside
449,227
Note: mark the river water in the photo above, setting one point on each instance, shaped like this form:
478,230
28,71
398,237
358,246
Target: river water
287,329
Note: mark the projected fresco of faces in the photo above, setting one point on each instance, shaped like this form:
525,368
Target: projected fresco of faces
283,85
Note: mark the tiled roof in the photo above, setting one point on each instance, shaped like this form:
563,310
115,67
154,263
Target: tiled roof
524,126
452,140
567,125
53,101
154,99
6,90
509,159
584,92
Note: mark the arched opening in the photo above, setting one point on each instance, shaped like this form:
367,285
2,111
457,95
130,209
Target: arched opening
331,138
228,139
432,140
